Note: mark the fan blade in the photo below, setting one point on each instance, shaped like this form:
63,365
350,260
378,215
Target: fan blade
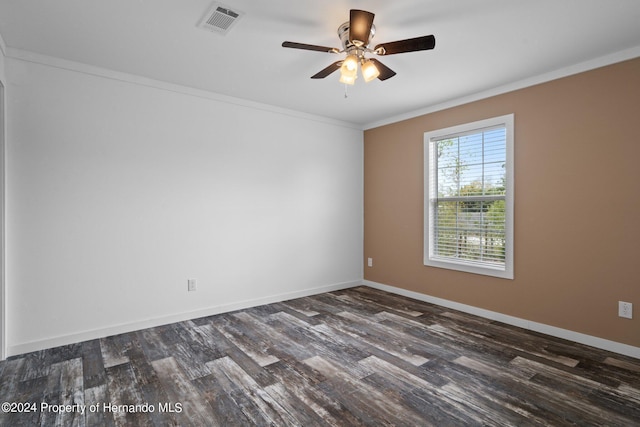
325,72
360,22
385,72
317,48
408,45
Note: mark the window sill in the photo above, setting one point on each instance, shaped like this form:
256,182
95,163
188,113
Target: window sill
469,267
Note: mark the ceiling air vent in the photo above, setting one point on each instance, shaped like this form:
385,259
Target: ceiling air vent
220,19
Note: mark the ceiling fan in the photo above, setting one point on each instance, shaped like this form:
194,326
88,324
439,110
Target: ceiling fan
356,36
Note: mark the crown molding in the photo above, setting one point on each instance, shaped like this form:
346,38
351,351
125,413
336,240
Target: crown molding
36,58
581,67
602,61
3,46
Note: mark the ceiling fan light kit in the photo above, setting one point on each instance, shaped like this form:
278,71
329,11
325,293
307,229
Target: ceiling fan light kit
369,71
356,35
349,70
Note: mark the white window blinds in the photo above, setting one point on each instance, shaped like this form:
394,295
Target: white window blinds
467,197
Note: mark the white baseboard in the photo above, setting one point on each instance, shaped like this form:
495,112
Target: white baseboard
28,347
553,331
601,343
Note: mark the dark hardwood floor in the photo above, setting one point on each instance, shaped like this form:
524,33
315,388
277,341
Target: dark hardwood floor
353,357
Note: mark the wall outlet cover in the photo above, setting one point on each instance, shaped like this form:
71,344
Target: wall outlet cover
625,309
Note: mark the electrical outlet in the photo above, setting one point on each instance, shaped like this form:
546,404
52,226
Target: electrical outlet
192,285
370,262
625,309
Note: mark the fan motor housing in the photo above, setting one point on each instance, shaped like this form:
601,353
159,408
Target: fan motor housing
343,34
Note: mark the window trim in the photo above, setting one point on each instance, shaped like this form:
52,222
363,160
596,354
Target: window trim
471,267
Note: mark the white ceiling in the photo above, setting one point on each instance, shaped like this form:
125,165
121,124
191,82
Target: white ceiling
480,45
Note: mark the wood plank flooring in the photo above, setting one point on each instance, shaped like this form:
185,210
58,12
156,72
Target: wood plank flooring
354,357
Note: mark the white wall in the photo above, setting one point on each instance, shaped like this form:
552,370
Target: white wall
118,192
2,249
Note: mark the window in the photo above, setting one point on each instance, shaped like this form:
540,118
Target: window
469,197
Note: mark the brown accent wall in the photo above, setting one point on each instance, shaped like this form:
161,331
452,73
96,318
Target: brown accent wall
577,204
